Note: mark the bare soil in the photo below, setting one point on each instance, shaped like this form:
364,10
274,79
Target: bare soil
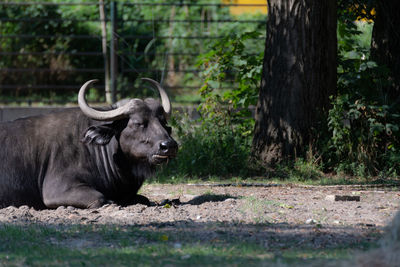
268,215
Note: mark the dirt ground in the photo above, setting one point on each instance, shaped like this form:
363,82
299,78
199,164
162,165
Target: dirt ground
272,215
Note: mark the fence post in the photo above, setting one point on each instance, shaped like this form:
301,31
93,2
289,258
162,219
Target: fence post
114,52
104,49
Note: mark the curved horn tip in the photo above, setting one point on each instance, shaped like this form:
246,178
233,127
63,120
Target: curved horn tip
147,79
166,103
92,81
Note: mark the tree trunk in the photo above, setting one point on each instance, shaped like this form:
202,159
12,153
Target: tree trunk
299,75
385,43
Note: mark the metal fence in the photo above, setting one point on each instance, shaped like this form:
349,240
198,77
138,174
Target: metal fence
48,49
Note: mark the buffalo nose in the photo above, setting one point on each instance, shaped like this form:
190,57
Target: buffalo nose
169,146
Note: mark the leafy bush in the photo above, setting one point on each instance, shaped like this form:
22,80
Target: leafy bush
220,142
223,106
298,170
46,46
364,121
208,150
364,133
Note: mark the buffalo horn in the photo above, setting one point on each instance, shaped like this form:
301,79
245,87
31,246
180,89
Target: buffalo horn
166,103
110,115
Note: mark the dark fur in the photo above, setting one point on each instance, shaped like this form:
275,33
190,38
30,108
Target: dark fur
66,158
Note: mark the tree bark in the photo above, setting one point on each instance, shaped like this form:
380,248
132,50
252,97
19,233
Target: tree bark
385,43
299,75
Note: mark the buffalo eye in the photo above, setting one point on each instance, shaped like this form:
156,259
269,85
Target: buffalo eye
138,124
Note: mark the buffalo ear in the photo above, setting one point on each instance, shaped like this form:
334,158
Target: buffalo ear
99,135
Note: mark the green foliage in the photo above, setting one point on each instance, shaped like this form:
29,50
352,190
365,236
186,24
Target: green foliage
192,30
230,55
351,10
145,43
365,135
207,150
298,171
47,48
219,143
363,120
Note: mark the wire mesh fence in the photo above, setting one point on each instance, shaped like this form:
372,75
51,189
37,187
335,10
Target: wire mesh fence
48,49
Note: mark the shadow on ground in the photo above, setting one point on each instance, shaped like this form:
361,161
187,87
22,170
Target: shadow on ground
185,243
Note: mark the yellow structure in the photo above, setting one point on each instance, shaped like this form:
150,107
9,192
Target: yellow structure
238,10
373,13
261,7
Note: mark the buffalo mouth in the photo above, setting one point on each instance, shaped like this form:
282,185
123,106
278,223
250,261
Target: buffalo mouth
160,158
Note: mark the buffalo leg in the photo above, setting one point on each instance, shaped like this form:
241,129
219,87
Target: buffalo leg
80,196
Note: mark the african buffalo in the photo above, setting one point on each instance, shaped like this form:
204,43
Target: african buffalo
85,157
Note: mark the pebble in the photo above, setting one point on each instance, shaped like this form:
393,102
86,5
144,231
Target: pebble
311,221
342,198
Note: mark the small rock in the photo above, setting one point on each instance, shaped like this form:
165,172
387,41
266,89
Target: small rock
347,198
311,221
230,200
330,197
342,198
73,217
